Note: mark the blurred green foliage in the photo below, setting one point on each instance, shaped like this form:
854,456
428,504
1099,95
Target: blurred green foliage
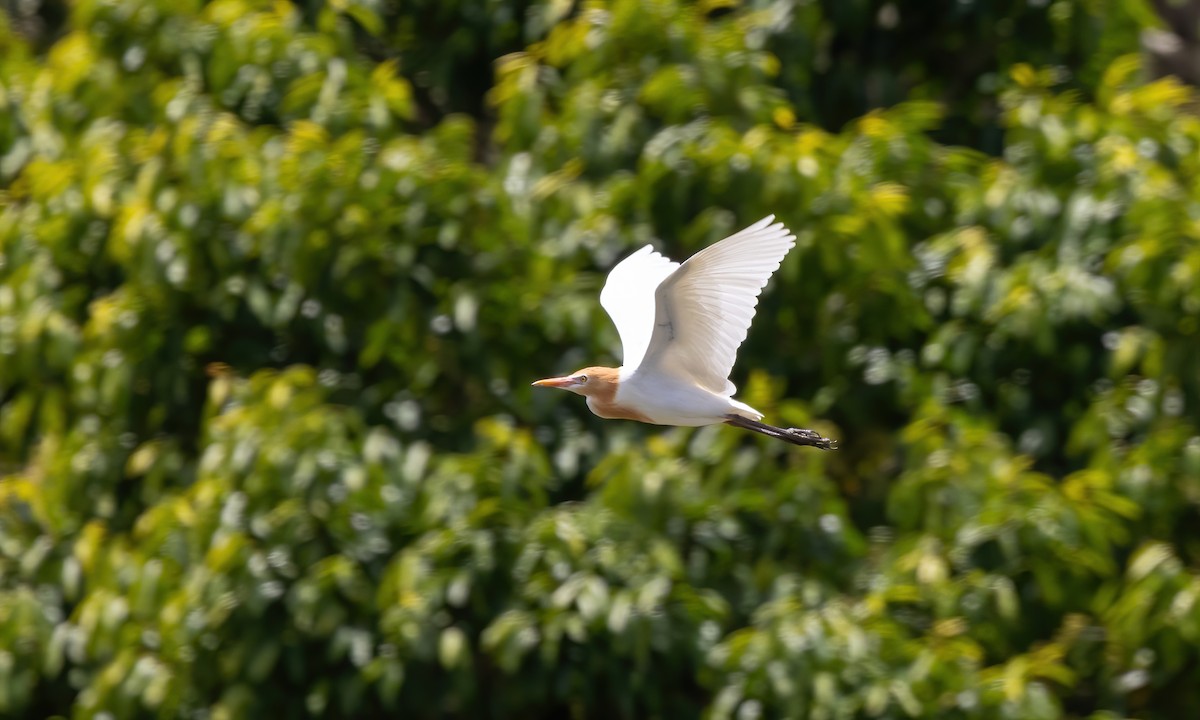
274,279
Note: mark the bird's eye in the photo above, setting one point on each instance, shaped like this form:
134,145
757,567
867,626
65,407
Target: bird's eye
583,378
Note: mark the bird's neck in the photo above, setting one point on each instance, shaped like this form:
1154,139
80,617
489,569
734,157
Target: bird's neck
613,410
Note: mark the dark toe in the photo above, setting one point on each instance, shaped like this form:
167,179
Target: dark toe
813,437
813,434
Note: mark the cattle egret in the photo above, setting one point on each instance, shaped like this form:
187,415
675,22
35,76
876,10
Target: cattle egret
680,328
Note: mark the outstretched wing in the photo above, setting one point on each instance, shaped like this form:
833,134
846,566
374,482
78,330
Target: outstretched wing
628,297
704,308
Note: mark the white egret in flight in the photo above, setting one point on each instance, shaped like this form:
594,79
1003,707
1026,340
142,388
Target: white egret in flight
680,327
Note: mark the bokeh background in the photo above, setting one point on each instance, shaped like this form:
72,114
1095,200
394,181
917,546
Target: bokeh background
275,277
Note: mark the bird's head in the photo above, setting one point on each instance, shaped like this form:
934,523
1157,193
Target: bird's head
590,381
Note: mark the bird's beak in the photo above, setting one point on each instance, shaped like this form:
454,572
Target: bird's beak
558,382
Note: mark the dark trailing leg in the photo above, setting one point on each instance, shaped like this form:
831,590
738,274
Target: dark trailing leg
795,436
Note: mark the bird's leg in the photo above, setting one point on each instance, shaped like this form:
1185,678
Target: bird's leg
795,436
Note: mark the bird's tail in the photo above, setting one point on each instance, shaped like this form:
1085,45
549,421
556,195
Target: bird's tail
741,409
795,436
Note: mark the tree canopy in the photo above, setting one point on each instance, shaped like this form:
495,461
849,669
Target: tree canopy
275,277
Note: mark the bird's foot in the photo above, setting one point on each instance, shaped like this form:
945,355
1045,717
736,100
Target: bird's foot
813,438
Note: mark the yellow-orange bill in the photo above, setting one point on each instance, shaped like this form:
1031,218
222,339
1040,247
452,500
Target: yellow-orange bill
558,382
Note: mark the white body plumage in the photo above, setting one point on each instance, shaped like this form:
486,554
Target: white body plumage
666,399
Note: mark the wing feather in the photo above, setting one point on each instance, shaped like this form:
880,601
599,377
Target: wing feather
628,297
704,308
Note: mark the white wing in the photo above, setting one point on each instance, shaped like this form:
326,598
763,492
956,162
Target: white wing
628,296
703,310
